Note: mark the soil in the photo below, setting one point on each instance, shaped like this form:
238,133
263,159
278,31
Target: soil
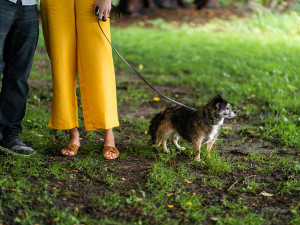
134,169
179,16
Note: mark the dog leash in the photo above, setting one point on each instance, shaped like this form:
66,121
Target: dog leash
130,66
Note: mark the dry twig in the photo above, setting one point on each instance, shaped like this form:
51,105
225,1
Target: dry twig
238,181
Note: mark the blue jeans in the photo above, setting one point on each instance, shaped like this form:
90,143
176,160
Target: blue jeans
19,30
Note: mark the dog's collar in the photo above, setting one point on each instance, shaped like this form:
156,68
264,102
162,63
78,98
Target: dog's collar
208,121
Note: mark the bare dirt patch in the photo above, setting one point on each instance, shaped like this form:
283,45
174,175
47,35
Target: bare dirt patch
179,16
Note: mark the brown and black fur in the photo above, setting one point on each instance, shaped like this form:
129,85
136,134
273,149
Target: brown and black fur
199,127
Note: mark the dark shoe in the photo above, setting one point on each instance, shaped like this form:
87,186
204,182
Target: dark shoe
16,147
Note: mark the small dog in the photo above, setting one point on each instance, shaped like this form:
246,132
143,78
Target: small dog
199,127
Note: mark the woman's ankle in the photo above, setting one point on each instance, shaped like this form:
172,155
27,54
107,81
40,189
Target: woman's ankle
74,136
109,139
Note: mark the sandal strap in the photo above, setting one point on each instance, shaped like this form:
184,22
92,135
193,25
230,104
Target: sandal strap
71,147
107,149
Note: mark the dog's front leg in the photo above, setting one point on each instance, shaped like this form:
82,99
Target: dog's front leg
209,146
197,148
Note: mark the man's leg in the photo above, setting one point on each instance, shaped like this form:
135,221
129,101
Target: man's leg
8,11
18,52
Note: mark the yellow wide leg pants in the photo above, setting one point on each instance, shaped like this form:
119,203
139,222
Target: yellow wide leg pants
76,46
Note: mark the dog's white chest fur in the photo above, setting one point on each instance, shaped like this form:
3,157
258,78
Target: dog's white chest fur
214,131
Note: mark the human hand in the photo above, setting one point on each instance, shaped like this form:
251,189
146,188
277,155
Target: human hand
104,8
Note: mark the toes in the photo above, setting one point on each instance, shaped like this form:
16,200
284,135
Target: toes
110,155
67,152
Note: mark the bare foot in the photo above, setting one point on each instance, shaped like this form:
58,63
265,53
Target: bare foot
74,139
109,140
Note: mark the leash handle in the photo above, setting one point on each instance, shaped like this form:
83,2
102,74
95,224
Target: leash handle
140,76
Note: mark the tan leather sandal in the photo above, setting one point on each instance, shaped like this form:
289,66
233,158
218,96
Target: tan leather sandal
107,149
71,147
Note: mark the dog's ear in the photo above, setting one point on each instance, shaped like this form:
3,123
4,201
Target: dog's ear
217,98
218,102
220,95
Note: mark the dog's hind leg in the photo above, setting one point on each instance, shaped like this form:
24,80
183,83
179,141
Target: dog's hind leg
175,139
162,136
165,138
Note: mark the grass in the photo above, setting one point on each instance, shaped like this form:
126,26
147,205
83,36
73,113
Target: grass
253,61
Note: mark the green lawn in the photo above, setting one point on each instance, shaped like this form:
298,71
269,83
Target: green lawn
254,173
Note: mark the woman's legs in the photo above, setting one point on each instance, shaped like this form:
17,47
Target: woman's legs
78,45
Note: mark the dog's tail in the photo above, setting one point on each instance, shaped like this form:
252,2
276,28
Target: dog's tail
154,124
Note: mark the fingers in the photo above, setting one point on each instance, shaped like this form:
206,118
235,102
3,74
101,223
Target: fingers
100,16
104,9
104,14
105,17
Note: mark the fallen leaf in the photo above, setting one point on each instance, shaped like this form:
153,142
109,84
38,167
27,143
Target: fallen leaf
228,128
187,181
169,195
146,132
75,171
172,161
171,206
138,199
263,193
156,99
189,203
214,218
122,178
